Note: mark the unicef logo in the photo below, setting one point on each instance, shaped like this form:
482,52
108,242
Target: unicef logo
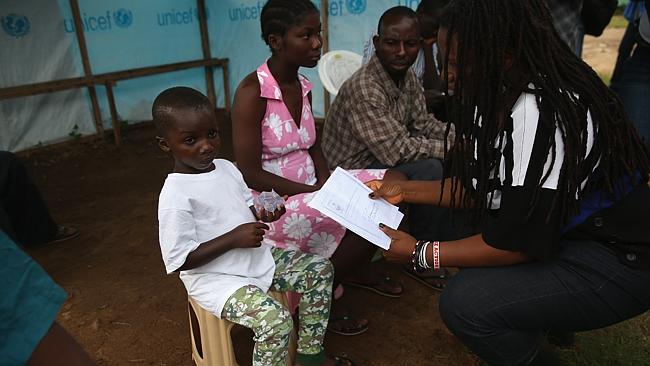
15,25
123,17
355,7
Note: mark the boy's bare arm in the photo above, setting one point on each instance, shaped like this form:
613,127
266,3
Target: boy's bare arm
247,235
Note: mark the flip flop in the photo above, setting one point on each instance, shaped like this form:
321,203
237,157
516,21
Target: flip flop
343,361
376,289
441,279
359,328
64,233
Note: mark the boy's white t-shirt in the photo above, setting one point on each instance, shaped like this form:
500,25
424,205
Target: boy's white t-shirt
196,208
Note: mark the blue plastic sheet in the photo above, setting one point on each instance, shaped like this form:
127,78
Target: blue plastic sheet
38,43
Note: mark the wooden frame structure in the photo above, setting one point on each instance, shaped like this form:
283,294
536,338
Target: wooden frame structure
109,80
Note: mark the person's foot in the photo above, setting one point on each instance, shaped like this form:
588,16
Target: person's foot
378,283
64,233
562,339
343,323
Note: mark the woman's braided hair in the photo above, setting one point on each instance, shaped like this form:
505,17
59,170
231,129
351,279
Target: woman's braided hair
566,87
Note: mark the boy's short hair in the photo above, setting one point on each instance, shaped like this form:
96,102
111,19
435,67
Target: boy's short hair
174,99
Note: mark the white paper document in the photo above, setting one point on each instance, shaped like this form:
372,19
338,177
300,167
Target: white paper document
345,199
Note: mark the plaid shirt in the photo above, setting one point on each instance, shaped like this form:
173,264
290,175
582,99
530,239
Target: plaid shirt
372,119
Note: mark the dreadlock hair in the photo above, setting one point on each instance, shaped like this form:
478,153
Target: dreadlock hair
279,15
565,88
396,11
174,99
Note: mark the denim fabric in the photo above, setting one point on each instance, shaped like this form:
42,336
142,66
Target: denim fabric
633,86
503,313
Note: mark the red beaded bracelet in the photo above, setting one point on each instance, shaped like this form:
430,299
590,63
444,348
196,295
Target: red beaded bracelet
436,254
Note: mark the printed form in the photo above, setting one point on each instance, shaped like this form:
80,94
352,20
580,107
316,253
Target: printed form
345,200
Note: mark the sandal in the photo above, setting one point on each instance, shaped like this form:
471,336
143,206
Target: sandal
433,279
339,361
64,233
343,361
354,328
380,288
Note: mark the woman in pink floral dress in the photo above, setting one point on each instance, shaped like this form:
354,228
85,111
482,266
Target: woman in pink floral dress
276,147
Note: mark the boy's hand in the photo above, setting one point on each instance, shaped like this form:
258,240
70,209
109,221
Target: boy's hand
266,216
272,216
248,235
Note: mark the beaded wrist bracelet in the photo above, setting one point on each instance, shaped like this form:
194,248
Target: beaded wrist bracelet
415,256
419,255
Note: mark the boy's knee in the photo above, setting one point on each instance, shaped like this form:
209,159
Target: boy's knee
320,269
282,324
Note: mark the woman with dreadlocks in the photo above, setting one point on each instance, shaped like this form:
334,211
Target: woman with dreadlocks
555,176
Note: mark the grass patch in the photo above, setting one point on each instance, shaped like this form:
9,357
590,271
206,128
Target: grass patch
618,21
623,344
606,78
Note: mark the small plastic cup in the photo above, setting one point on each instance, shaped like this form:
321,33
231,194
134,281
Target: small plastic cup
269,201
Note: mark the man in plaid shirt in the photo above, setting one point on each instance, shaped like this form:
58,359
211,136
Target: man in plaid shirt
379,117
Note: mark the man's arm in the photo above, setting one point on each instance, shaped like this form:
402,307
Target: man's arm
388,139
426,124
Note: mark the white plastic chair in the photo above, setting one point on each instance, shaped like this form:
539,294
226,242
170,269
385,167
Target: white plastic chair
335,67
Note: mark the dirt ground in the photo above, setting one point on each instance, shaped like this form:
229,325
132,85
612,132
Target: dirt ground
122,307
600,53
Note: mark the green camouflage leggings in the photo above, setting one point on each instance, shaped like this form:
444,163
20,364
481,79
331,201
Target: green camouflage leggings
272,324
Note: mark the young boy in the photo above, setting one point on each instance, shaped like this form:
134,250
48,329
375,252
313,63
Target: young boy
210,233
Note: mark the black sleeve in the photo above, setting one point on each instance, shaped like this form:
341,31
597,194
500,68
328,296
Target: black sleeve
517,227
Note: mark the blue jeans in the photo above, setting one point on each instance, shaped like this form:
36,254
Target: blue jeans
632,87
503,313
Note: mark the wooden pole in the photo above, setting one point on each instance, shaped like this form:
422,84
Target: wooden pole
81,40
82,81
324,6
117,133
226,86
205,45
